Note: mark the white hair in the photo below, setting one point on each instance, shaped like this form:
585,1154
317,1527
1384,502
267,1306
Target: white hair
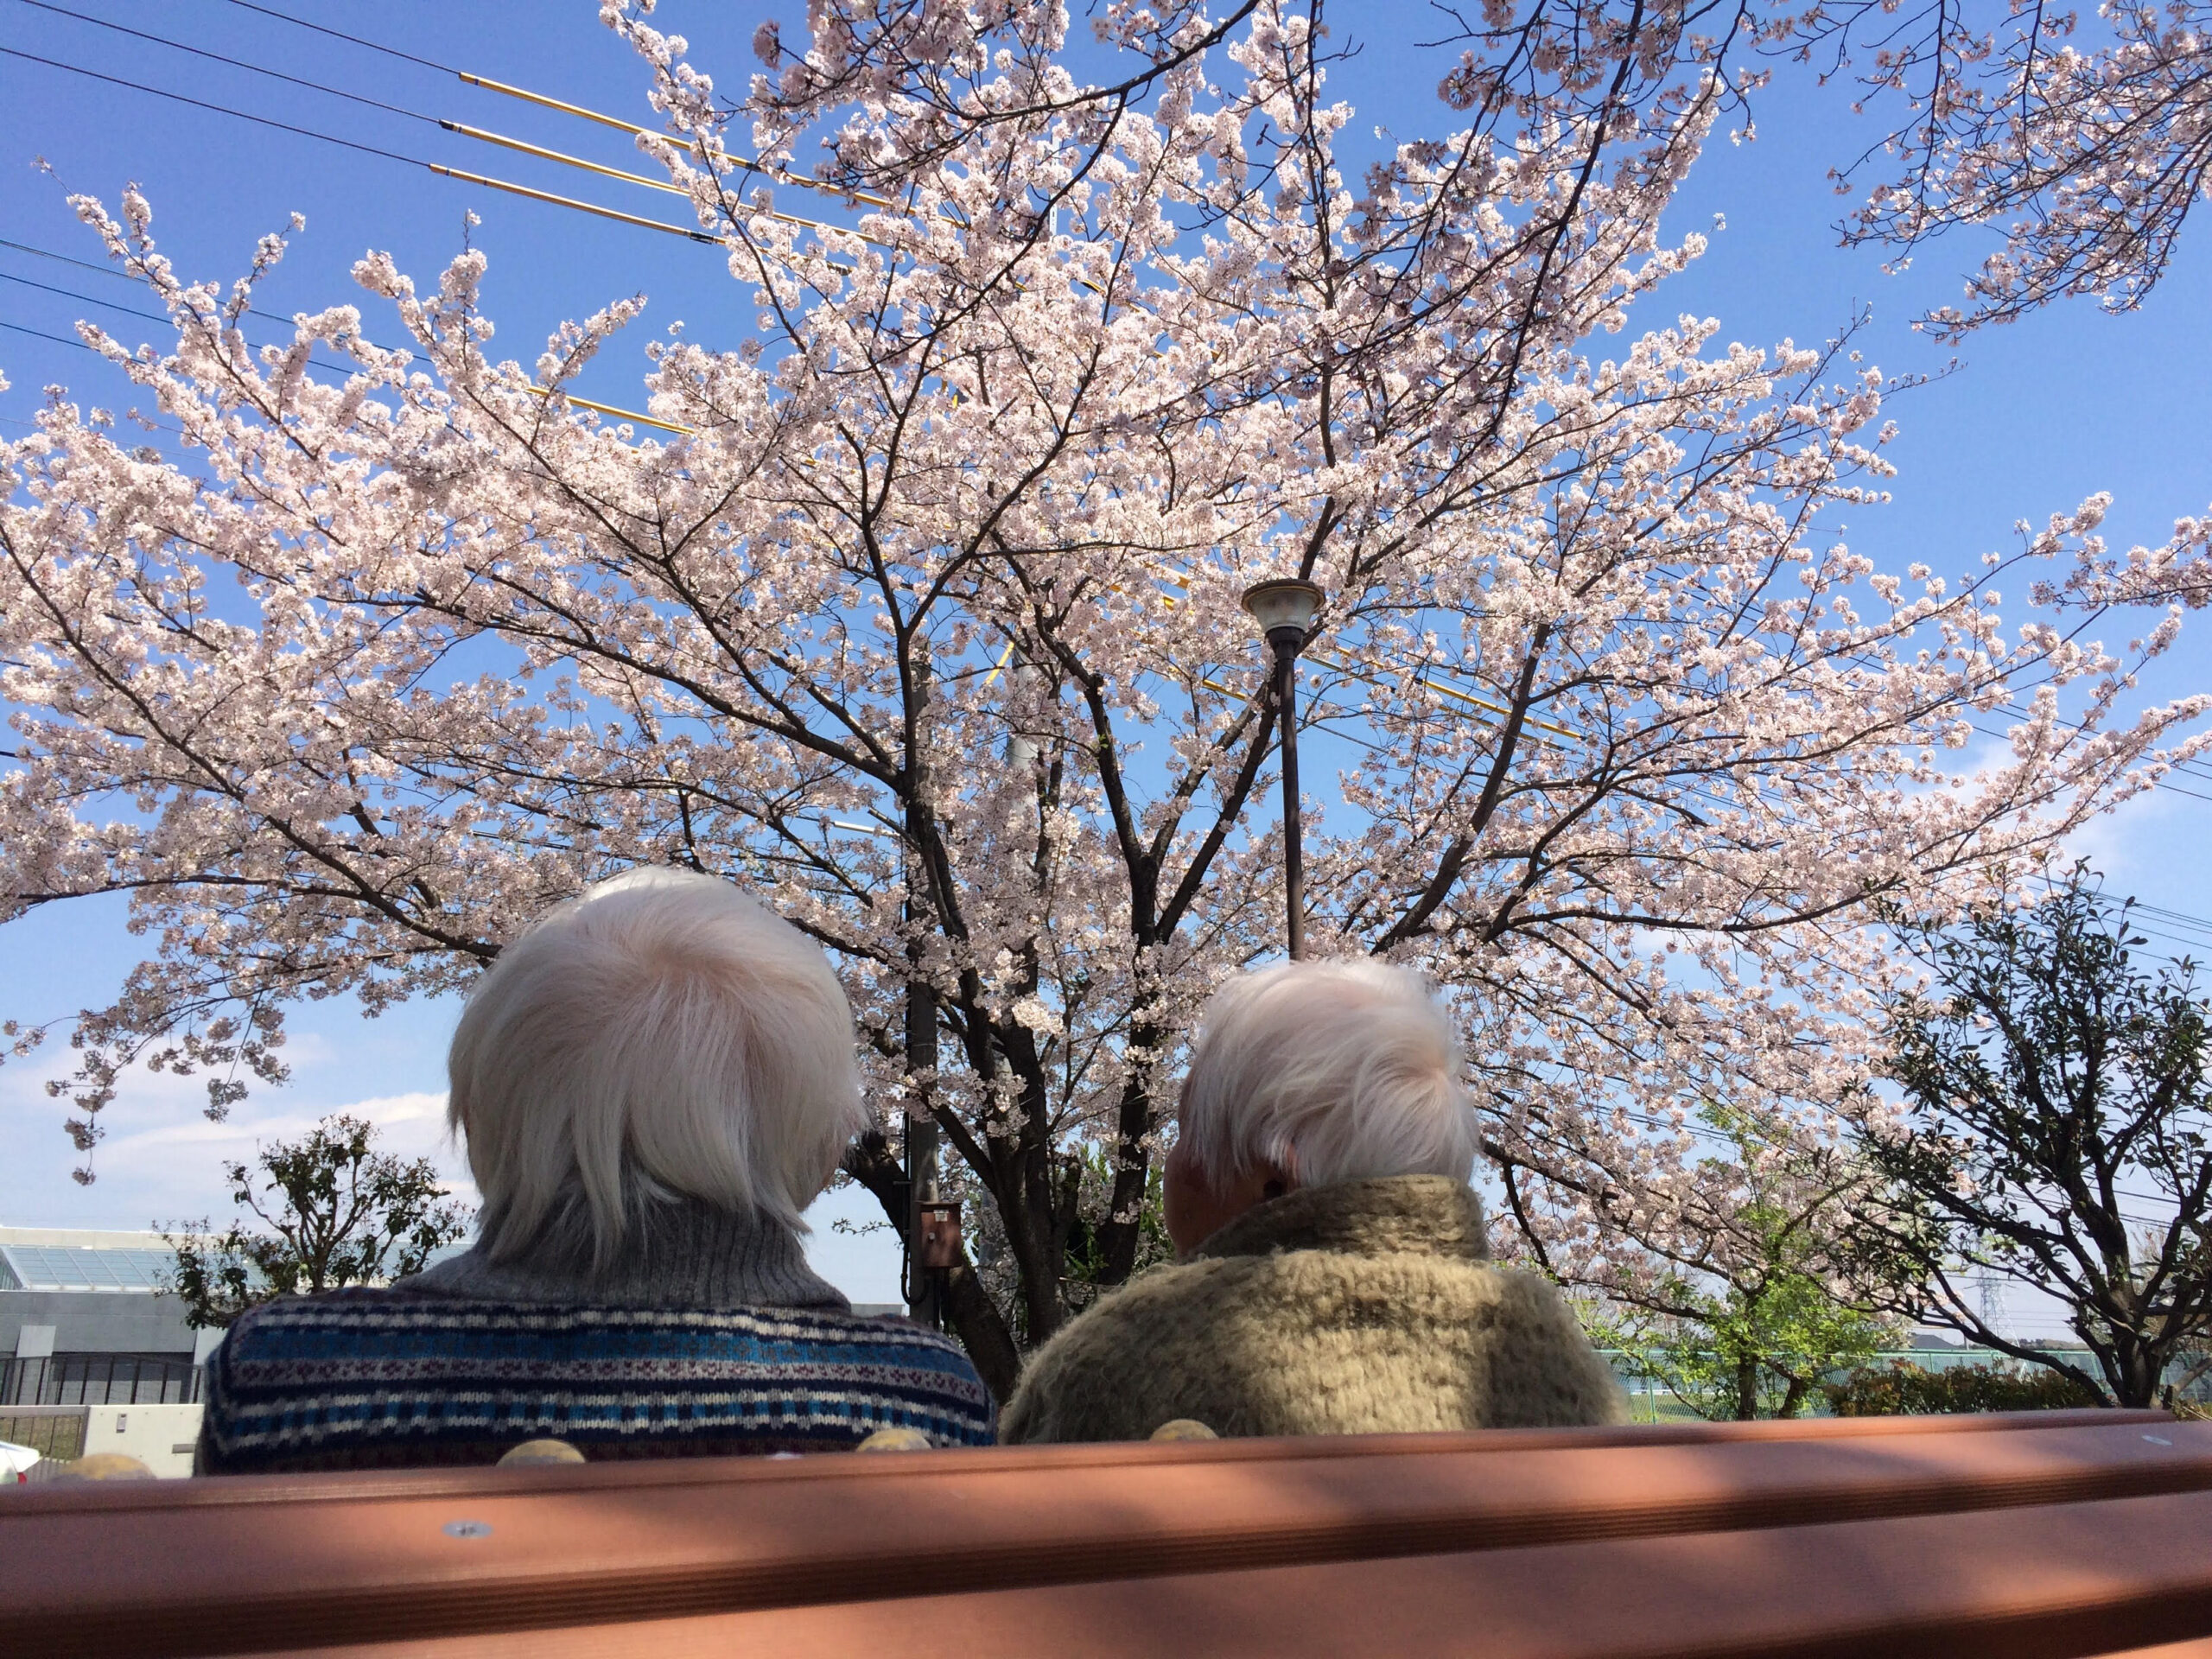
1331,1072
659,1034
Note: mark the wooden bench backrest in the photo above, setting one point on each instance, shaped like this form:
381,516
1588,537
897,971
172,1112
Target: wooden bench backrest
2060,1533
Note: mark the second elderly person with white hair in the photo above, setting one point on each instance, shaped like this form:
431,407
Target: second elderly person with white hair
1333,1275
654,1081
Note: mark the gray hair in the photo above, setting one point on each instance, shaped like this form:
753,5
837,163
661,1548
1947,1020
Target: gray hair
659,1034
1331,1072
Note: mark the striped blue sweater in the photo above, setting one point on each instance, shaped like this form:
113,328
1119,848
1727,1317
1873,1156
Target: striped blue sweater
395,1379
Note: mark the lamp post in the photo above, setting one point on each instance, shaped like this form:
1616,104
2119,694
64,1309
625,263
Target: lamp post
1285,610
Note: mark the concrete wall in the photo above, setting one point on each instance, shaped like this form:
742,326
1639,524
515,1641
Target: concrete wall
160,1437
97,1321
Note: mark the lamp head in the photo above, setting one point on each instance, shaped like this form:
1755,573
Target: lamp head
1284,609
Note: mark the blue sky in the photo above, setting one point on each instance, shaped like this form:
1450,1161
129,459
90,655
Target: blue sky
2039,416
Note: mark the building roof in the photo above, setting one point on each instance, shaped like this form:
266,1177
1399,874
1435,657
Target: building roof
49,1266
82,1258
85,1238
111,1259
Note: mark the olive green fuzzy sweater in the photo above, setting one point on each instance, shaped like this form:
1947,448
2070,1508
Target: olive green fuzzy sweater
1365,1307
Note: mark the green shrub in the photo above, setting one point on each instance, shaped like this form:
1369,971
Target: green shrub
1904,1389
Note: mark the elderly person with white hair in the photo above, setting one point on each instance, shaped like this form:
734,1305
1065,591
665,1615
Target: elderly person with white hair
1333,1275
653,1082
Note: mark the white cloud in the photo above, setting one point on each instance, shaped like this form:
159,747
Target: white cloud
162,1158
2127,844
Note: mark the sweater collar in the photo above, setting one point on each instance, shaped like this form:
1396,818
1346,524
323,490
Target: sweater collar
681,1253
1393,1215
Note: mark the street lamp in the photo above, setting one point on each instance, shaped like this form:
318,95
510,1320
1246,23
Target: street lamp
1285,610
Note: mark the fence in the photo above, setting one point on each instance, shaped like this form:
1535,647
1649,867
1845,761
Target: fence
99,1380
55,1433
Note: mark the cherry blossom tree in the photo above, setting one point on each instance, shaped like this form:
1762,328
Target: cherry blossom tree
917,611
2173,574
2085,143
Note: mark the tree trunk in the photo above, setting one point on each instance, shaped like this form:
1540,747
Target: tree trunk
1747,1387
1794,1398
1121,1231
1040,1217
975,1319
2137,1376
971,1313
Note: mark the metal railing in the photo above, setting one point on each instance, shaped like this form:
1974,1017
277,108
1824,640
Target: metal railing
99,1380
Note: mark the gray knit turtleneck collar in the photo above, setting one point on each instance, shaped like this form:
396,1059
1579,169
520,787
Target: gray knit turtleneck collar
683,1253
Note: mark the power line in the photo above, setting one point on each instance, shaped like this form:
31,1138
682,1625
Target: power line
59,339
2181,917
85,264
87,299
546,196
2192,931
2195,769
63,258
462,129
62,339
341,35
235,63
744,163
483,136
133,311
566,108
32,426
327,368
611,409
549,197
2178,916
125,277
2013,708
197,104
2190,768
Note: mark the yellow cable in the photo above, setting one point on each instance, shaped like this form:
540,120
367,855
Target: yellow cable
777,174
566,160
609,409
570,201
557,155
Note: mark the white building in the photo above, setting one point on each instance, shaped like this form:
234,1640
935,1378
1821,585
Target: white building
83,1320
93,1356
